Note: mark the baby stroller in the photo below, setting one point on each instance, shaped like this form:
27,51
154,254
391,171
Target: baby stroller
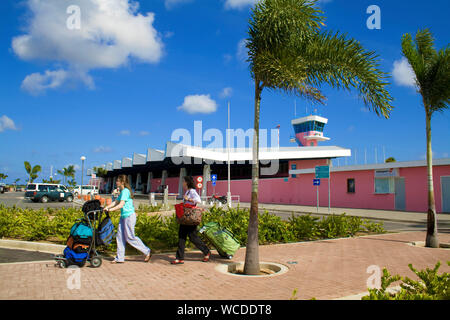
85,235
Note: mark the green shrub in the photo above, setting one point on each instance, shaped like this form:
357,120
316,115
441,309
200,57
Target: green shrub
304,227
161,233
430,286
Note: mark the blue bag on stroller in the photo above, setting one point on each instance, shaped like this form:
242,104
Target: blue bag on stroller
81,230
78,259
105,232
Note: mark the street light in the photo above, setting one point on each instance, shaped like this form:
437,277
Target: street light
82,173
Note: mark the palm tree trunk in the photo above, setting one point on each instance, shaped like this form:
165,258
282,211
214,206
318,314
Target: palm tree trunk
251,266
432,240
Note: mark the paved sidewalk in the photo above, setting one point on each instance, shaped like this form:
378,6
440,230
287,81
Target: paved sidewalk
326,269
401,216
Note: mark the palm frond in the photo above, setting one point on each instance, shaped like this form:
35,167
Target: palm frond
343,63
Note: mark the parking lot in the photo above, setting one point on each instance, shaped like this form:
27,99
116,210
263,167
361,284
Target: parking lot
12,198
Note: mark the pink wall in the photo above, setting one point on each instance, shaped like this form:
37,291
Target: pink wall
417,188
300,190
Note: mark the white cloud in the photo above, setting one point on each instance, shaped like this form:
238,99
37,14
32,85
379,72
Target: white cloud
226,92
144,133
403,73
37,83
198,104
239,4
102,149
170,4
169,34
242,51
227,58
7,123
124,133
111,33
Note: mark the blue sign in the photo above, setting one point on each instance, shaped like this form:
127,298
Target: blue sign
214,177
316,182
322,172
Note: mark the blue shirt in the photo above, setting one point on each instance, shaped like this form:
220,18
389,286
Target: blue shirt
128,208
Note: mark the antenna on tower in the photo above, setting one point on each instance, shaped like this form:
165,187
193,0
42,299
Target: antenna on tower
295,108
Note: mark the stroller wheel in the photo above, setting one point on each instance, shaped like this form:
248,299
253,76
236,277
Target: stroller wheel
62,264
96,262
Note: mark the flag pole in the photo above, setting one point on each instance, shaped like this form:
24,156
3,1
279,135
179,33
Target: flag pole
229,175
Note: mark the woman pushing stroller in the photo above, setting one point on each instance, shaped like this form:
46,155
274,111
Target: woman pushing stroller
125,232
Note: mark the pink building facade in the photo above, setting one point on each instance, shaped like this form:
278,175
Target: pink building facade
391,186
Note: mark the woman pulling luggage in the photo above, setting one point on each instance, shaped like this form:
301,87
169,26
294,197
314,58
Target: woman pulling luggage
125,232
190,197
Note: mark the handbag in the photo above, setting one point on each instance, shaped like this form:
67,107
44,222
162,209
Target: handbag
188,214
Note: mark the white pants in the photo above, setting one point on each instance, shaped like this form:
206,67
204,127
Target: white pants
125,233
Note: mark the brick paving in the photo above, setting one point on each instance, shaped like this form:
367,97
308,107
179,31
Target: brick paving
325,269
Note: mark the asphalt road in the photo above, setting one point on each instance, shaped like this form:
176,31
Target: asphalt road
10,199
15,256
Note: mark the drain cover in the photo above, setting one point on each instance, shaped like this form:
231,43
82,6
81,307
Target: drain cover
292,262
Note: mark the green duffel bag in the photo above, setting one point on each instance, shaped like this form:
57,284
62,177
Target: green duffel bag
221,238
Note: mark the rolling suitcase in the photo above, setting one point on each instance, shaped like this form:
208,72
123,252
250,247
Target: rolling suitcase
221,238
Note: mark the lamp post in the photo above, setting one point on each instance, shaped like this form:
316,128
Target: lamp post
82,173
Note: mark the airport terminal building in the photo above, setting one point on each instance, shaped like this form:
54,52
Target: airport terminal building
287,174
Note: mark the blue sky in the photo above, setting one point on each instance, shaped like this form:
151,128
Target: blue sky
61,97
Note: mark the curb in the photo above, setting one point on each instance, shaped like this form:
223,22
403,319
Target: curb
32,246
348,215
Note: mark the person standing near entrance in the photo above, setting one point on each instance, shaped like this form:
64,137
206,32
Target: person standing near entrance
190,197
125,232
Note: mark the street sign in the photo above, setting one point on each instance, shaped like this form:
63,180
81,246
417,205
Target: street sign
316,182
322,172
199,179
214,177
213,183
199,185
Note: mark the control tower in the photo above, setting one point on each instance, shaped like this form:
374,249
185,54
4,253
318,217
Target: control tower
309,130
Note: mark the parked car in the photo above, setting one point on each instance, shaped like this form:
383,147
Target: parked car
2,187
45,192
85,190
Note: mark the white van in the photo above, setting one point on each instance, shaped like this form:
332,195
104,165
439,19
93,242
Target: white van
85,190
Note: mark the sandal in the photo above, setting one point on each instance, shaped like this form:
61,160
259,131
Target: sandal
115,261
147,257
176,261
206,258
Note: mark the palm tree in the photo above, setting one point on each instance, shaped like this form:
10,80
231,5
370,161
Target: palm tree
63,174
100,172
67,172
32,171
70,171
51,181
432,72
289,53
3,176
